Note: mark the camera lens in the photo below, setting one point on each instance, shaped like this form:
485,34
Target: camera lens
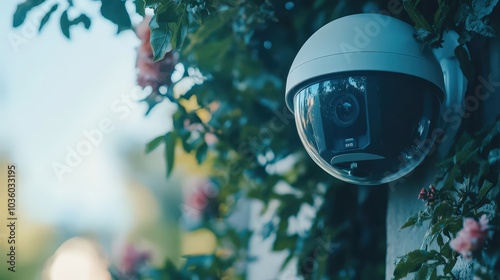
345,109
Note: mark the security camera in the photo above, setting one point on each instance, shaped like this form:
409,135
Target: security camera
367,97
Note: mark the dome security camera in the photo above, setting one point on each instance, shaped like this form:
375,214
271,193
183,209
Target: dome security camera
367,97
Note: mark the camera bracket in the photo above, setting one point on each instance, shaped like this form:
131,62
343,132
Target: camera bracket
455,87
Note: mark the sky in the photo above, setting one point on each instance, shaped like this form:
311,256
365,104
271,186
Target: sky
59,97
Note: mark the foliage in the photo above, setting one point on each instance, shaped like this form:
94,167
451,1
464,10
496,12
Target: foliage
469,187
239,53
113,10
244,52
466,17
222,264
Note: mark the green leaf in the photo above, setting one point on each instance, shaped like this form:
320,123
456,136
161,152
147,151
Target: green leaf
185,135
287,260
139,7
153,144
22,11
448,267
410,222
442,211
484,167
152,3
65,24
441,14
46,17
179,32
210,27
201,153
169,27
213,52
82,19
464,61
285,242
415,15
446,251
450,179
170,141
440,240
411,262
115,11
462,13
426,272
437,229
459,157
168,11
485,188
160,39
171,272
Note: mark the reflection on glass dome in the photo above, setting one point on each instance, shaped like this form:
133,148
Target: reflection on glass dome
367,128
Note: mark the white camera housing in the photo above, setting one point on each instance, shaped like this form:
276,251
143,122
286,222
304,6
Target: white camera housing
367,97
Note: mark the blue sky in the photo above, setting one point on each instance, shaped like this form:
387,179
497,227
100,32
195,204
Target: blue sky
54,92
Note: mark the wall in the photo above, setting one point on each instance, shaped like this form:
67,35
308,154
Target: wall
403,194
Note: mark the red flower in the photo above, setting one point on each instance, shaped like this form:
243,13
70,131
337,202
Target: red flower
428,195
423,194
471,237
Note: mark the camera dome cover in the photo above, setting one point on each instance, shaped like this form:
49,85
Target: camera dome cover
366,98
370,42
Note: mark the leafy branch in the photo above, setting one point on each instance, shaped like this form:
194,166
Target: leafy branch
469,187
463,16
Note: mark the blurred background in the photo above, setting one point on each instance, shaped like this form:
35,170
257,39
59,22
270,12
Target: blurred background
53,93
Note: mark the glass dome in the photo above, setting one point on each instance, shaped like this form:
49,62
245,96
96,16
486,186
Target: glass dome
367,128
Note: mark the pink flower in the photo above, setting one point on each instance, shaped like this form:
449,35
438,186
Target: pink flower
471,237
211,139
200,197
151,73
142,31
133,260
193,126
